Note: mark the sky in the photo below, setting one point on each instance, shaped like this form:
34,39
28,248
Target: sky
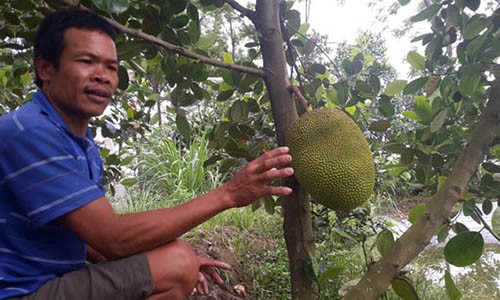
343,22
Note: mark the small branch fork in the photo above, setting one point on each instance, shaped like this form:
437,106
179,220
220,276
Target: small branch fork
300,98
243,11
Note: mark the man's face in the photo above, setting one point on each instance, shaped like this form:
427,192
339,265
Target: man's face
86,79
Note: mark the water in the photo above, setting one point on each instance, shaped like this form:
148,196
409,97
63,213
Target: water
431,263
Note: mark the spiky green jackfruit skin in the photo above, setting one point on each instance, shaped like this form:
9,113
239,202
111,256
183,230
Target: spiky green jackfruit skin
331,158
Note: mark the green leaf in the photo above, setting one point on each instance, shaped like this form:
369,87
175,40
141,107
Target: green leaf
495,221
427,13
374,83
416,212
459,228
380,125
451,289
317,68
403,286
476,24
470,77
443,233
411,115
454,16
238,111
228,58
469,207
223,96
329,274
347,65
386,107
487,207
309,270
491,167
364,89
384,242
269,205
394,147
129,181
441,181
183,126
415,85
438,120
416,60
192,12
403,2
179,21
464,249
395,87
423,108
123,79
112,6
473,4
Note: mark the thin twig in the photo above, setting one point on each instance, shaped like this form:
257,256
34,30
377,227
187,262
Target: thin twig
298,95
243,10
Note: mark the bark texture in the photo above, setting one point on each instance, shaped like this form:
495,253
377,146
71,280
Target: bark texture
297,222
417,237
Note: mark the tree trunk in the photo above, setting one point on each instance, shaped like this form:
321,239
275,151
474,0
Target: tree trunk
297,221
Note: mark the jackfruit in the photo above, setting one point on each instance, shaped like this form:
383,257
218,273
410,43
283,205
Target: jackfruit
331,158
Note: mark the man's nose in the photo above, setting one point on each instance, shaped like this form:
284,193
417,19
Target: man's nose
100,74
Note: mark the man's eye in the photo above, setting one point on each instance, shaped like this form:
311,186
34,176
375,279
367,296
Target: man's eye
113,68
85,61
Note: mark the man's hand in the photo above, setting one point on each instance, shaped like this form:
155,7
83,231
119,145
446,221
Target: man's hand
251,182
207,270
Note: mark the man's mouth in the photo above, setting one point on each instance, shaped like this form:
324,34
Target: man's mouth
98,93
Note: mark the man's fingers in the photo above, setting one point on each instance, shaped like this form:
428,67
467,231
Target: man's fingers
213,263
273,162
272,158
279,190
277,173
202,284
215,276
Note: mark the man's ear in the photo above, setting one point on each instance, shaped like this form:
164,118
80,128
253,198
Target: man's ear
44,68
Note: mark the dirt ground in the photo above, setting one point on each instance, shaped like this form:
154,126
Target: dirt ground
237,281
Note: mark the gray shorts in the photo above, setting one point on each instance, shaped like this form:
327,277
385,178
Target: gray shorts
124,279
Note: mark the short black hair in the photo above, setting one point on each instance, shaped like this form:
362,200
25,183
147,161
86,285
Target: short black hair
49,40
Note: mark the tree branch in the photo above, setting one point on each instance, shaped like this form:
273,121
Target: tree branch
244,11
376,281
180,50
300,98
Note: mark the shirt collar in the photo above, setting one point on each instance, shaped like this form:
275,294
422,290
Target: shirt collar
46,107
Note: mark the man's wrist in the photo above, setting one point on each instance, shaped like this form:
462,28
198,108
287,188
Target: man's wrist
226,196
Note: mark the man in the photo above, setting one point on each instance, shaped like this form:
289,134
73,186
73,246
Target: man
53,209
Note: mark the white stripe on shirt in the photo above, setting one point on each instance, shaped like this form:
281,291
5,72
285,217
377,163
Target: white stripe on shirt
34,165
17,289
19,216
61,200
16,120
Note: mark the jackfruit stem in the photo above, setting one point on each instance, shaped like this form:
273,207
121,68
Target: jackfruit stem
300,98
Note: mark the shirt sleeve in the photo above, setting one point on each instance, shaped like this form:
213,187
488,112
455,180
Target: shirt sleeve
47,174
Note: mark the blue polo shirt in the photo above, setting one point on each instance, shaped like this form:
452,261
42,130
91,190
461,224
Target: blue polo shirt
45,172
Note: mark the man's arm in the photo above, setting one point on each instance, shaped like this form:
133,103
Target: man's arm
118,236
94,256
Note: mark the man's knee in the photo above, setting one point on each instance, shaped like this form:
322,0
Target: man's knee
174,268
